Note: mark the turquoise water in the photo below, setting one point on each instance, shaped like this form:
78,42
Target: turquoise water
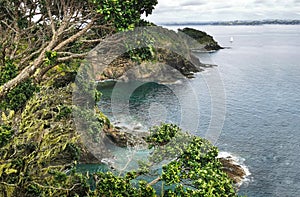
261,77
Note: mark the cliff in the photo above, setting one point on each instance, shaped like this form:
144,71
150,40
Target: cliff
171,56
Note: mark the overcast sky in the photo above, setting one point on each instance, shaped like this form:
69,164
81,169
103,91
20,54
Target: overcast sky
223,10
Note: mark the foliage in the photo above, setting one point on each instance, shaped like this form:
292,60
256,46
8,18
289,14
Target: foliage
7,71
125,14
107,184
18,96
44,142
6,130
6,133
35,160
202,38
39,35
192,168
161,135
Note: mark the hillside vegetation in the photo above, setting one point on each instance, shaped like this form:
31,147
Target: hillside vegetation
43,44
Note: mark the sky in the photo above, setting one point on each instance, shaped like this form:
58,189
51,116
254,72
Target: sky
170,11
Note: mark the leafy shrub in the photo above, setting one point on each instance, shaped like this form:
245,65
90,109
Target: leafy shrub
5,134
192,168
18,96
161,135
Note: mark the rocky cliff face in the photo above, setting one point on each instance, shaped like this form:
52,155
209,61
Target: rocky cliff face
168,67
172,58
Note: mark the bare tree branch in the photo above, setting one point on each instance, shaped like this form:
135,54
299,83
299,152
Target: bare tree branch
51,18
72,56
154,181
92,41
75,36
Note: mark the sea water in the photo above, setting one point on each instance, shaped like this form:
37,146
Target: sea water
260,75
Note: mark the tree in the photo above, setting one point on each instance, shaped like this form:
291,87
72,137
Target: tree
36,35
39,144
192,168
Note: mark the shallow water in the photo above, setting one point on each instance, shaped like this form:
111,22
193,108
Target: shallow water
261,77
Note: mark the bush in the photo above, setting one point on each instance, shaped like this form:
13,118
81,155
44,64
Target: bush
5,134
17,97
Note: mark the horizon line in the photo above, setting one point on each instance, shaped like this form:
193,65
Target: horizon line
234,22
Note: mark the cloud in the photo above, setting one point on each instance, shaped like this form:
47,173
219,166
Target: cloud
192,3
220,10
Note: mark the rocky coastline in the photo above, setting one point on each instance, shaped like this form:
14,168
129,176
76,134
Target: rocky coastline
123,136
169,63
123,68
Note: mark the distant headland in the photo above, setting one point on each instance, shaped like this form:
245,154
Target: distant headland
238,22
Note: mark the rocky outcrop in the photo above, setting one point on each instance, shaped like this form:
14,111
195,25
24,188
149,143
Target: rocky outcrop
125,137
172,57
207,41
169,66
233,169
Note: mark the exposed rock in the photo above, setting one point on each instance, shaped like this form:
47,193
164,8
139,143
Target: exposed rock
174,50
124,138
169,67
235,171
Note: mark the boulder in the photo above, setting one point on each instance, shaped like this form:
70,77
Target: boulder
234,170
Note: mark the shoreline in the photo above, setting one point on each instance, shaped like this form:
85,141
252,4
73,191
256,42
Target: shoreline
233,165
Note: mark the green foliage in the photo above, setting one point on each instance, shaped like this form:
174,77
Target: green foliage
6,133
63,112
7,71
192,168
6,130
143,48
107,184
74,150
62,74
202,38
161,135
18,96
125,14
46,142
196,34
51,57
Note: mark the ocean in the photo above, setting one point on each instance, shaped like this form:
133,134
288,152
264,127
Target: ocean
251,99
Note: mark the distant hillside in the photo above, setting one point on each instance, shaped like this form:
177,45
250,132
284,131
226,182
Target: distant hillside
240,22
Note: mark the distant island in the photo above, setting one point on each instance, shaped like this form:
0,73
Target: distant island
239,22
